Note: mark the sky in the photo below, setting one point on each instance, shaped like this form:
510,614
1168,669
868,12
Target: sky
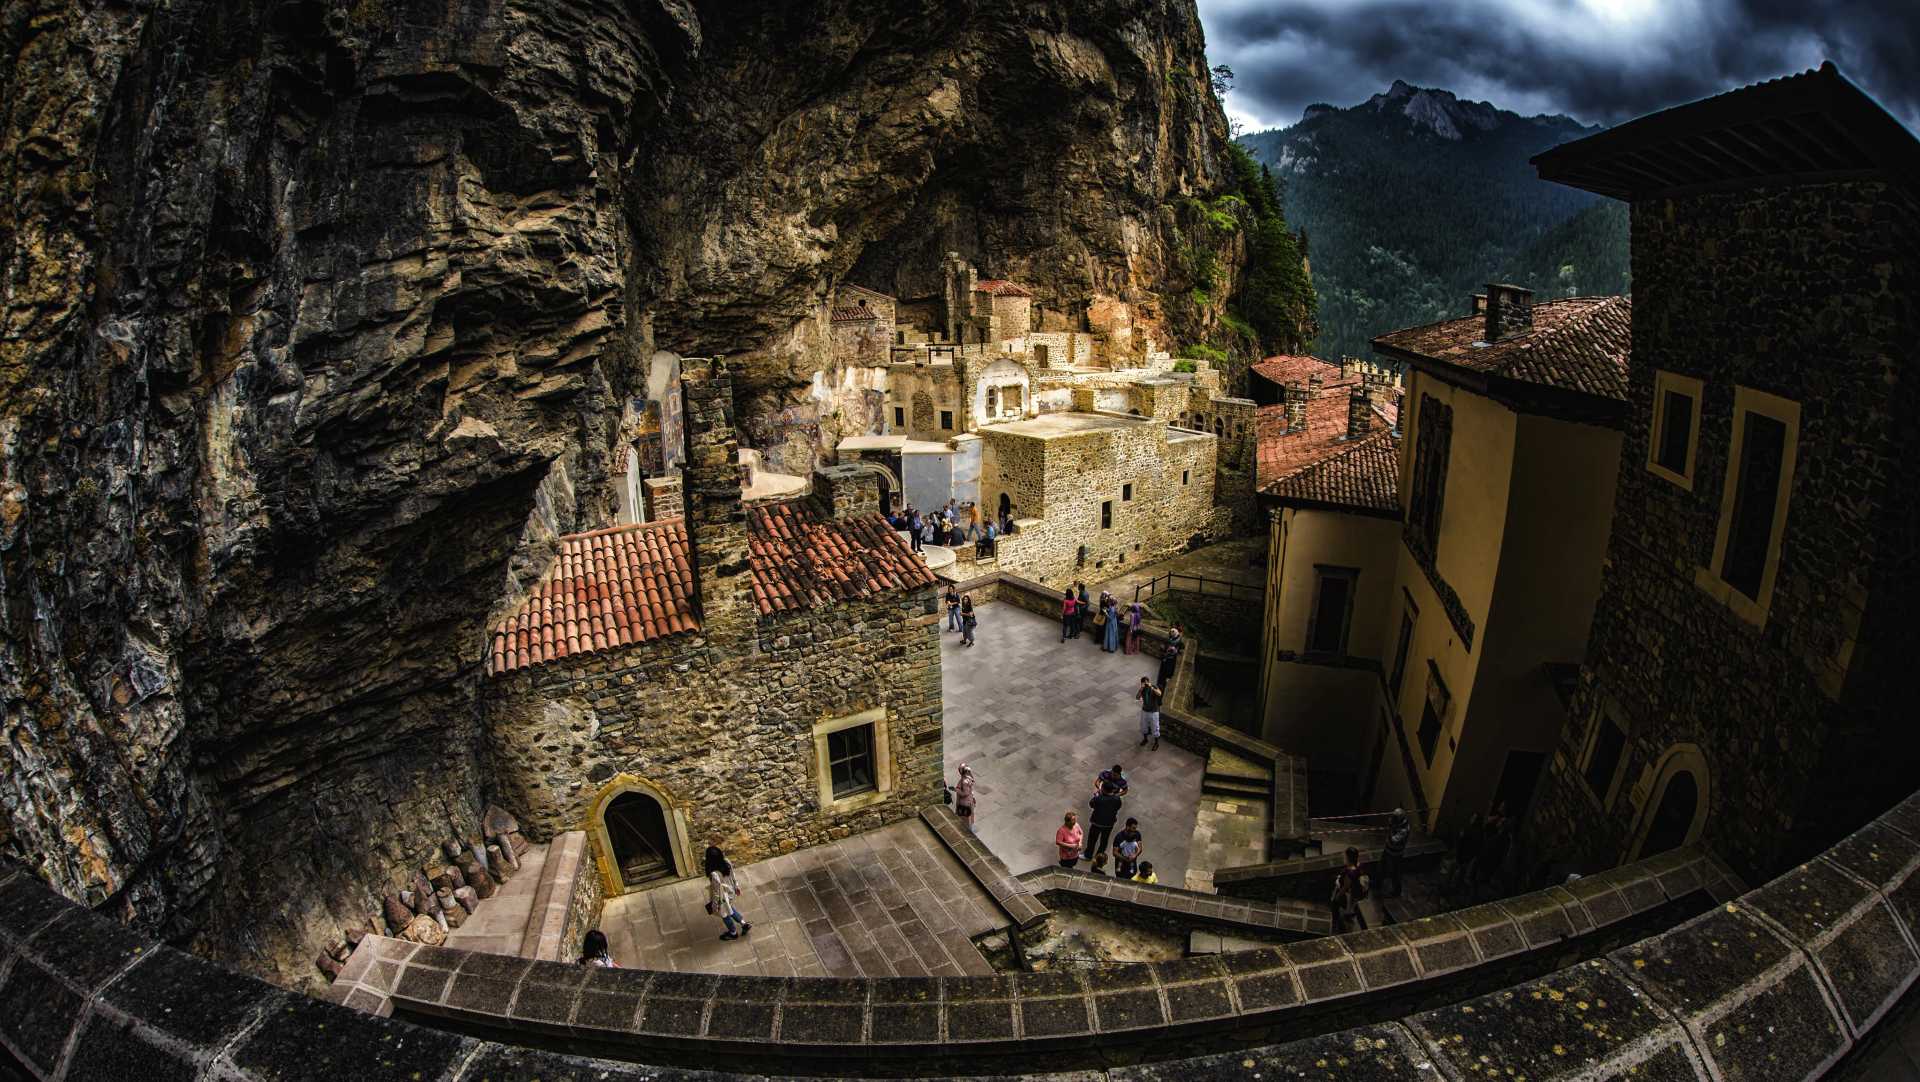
1598,61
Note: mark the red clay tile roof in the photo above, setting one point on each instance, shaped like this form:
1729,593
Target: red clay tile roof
803,558
1363,475
1288,369
853,313
1576,344
610,587
1001,287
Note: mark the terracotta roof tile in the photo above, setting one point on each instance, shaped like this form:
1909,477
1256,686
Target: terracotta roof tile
1576,344
803,558
1286,369
1361,474
1279,452
853,313
1001,287
607,588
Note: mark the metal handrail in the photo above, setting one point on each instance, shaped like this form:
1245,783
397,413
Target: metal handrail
1175,581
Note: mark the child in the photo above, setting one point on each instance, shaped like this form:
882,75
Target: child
1145,875
1099,866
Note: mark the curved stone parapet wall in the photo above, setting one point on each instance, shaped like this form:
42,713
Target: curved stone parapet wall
1780,983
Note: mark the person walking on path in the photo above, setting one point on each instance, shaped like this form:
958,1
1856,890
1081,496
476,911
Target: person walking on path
1133,628
967,620
1149,696
1113,627
1106,812
1170,656
963,799
973,522
1067,605
953,608
1349,890
722,888
594,952
1399,829
1127,847
1067,839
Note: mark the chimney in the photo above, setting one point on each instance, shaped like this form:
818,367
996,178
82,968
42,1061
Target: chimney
847,490
1360,409
1509,311
716,517
1477,305
1296,399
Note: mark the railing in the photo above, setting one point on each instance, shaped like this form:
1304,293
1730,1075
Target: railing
1199,584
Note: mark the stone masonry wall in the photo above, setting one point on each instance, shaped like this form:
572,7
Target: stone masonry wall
1807,293
727,732
1065,480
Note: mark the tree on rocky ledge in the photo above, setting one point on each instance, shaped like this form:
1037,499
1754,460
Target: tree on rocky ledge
1275,297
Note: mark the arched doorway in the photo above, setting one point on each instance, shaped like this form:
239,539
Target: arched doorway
637,831
1679,801
1006,505
638,834
1673,818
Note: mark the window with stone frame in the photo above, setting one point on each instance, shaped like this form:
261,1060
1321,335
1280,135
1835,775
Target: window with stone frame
1673,434
1106,514
850,761
899,416
1332,615
1604,755
1432,445
1753,508
1433,714
1408,616
1126,491
946,420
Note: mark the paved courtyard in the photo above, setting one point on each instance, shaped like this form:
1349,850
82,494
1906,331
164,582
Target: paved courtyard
1038,719
890,903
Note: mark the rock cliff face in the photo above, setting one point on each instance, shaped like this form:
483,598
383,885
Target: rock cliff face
320,316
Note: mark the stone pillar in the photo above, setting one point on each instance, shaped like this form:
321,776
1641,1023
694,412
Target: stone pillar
663,498
847,491
716,518
1296,401
1509,311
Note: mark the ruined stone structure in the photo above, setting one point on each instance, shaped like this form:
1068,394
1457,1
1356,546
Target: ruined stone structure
1744,687
685,681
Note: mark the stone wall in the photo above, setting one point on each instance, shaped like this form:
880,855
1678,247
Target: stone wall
1064,480
1807,293
861,343
726,734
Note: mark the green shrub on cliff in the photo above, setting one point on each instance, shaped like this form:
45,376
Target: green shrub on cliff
1275,297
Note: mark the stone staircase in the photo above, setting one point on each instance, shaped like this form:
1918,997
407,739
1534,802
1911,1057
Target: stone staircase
1236,777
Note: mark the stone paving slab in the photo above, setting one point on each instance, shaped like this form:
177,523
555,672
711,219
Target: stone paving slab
890,903
1038,719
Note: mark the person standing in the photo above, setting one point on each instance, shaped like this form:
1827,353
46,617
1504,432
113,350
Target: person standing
1067,604
1349,890
1067,839
913,529
1145,874
1112,645
1133,628
953,608
963,799
1100,623
967,620
722,888
1170,656
1106,812
1149,696
1127,847
1493,851
973,522
1466,849
1085,608
594,952
1399,830
1115,777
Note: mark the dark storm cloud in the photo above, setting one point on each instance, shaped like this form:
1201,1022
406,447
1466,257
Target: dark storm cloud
1601,61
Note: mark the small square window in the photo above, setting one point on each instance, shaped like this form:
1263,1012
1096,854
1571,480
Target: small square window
900,416
850,760
1106,515
1126,492
946,419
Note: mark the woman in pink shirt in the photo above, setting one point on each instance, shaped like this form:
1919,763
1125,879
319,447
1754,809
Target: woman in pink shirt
1068,838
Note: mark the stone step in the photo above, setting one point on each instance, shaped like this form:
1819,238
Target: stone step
1227,766
1238,790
